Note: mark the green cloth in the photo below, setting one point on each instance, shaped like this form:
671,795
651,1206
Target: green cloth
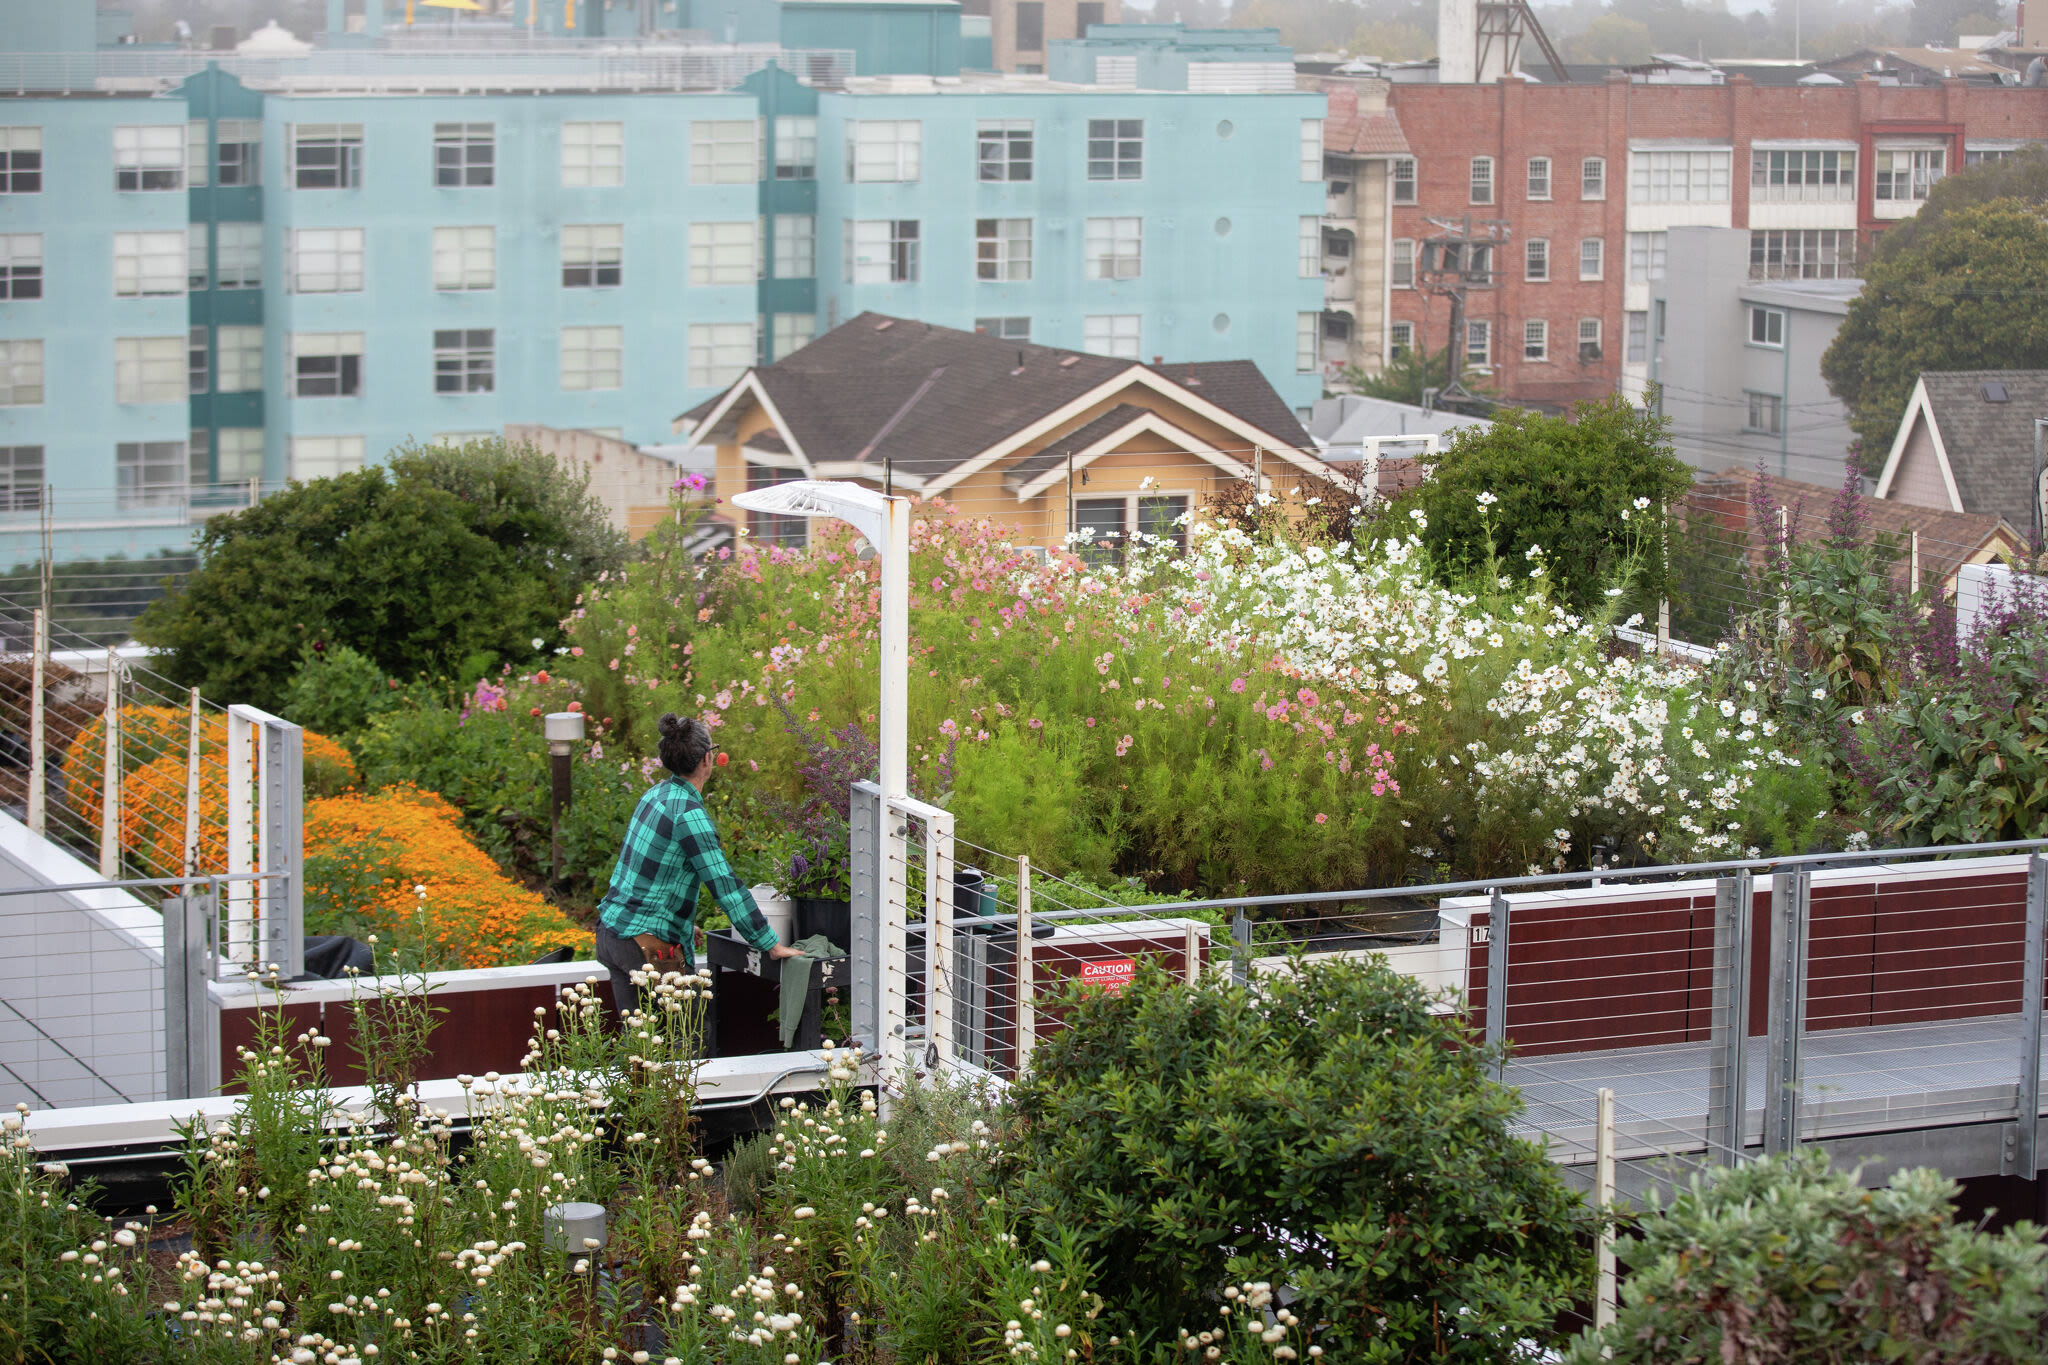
796,981
671,851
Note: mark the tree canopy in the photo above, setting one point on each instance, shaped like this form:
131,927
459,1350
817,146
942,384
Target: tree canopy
1586,491
446,560
1963,292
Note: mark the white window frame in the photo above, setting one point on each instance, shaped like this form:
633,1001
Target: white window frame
151,369
1590,334
1680,175
21,267
238,256
1005,328
465,361
1395,180
336,346
1766,413
1308,343
1647,255
198,268
1593,177
1400,339
1539,179
465,170
1311,149
1638,352
1767,327
724,253
21,144
465,258
1802,175
888,151
1592,258
796,247
150,157
595,248
321,457
1536,260
238,359
1113,248
327,261
1110,154
246,134
1309,245
198,155
792,332
1002,250
723,151
136,461
151,264
344,140
880,251
1478,342
593,359
796,147
21,372
593,153
1480,187
1002,148
1114,334
1803,253
1925,168
1535,341
1401,264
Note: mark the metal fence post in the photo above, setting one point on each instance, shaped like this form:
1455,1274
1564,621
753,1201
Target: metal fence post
1603,1200
1027,1008
865,986
941,1006
185,1032
1791,899
38,761
284,828
192,750
1241,946
110,774
1728,1083
1497,976
2026,1155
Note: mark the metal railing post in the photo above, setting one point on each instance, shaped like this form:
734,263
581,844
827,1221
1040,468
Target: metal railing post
1603,1200
865,986
192,748
1791,900
284,826
1241,946
1497,976
185,1032
1728,1082
2026,1154
38,761
110,774
1027,1008
940,1006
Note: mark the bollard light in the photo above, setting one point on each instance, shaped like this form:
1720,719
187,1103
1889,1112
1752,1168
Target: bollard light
576,1230
564,731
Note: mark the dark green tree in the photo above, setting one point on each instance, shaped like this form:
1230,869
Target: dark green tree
1322,1129
441,562
1568,485
1961,291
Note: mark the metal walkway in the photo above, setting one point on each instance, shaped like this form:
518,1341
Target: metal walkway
1878,1092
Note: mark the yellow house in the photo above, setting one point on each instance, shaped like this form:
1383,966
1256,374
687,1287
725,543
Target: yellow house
1046,440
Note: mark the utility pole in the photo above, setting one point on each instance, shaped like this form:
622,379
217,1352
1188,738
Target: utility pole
1457,260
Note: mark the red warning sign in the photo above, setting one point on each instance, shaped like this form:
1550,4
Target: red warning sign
1111,976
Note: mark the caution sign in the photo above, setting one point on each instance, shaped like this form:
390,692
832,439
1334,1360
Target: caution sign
1111,976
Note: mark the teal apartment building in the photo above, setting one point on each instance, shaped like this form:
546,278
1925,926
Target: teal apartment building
223,270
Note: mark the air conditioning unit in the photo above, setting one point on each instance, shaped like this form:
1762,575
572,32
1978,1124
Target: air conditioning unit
1589,351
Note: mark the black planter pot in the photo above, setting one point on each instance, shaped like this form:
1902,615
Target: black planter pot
833,919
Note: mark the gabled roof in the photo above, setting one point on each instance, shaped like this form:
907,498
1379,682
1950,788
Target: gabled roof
1948,539
931,398
1986,447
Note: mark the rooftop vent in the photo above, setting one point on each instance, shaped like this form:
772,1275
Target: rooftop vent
885,324
1070,360
1995,393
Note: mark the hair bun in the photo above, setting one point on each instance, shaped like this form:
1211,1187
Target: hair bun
669,724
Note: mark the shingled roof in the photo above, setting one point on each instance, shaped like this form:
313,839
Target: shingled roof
857,389
1948,540
1984,420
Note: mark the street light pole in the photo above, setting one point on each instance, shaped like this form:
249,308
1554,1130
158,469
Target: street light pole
885,521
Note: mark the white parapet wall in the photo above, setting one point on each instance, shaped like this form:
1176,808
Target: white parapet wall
81,983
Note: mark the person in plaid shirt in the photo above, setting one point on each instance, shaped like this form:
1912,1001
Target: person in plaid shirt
671,851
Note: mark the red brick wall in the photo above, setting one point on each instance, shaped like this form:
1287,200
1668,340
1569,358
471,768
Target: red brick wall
1511,121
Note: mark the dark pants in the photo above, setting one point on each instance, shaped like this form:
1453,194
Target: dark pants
622,957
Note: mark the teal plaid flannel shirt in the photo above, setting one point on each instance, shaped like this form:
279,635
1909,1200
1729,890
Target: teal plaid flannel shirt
671,851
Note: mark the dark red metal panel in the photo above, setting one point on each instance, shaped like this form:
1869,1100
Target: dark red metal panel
1592,975
1840,943
1948,947
486,1030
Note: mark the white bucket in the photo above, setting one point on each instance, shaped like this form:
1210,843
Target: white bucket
778,909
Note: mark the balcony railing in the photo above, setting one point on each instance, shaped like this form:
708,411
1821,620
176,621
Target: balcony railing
382,71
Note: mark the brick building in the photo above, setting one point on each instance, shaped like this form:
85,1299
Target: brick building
1590,177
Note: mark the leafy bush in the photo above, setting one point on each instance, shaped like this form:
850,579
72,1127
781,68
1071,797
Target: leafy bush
1590,491
337,689
442,562
1323,1129
1788,1261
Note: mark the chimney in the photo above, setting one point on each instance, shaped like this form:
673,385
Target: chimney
1457,42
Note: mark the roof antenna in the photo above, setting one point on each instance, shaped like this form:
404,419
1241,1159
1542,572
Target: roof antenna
1020,359
888,476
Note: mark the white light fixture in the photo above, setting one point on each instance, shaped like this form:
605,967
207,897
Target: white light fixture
885,521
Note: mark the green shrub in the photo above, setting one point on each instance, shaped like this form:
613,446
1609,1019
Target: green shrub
1322,1129
336,689
1588,489
1789,1261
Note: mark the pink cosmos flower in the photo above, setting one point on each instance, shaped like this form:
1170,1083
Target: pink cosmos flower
1322,819
1237,684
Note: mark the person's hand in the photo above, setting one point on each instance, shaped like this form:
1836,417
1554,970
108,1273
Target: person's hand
655,948
783,950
